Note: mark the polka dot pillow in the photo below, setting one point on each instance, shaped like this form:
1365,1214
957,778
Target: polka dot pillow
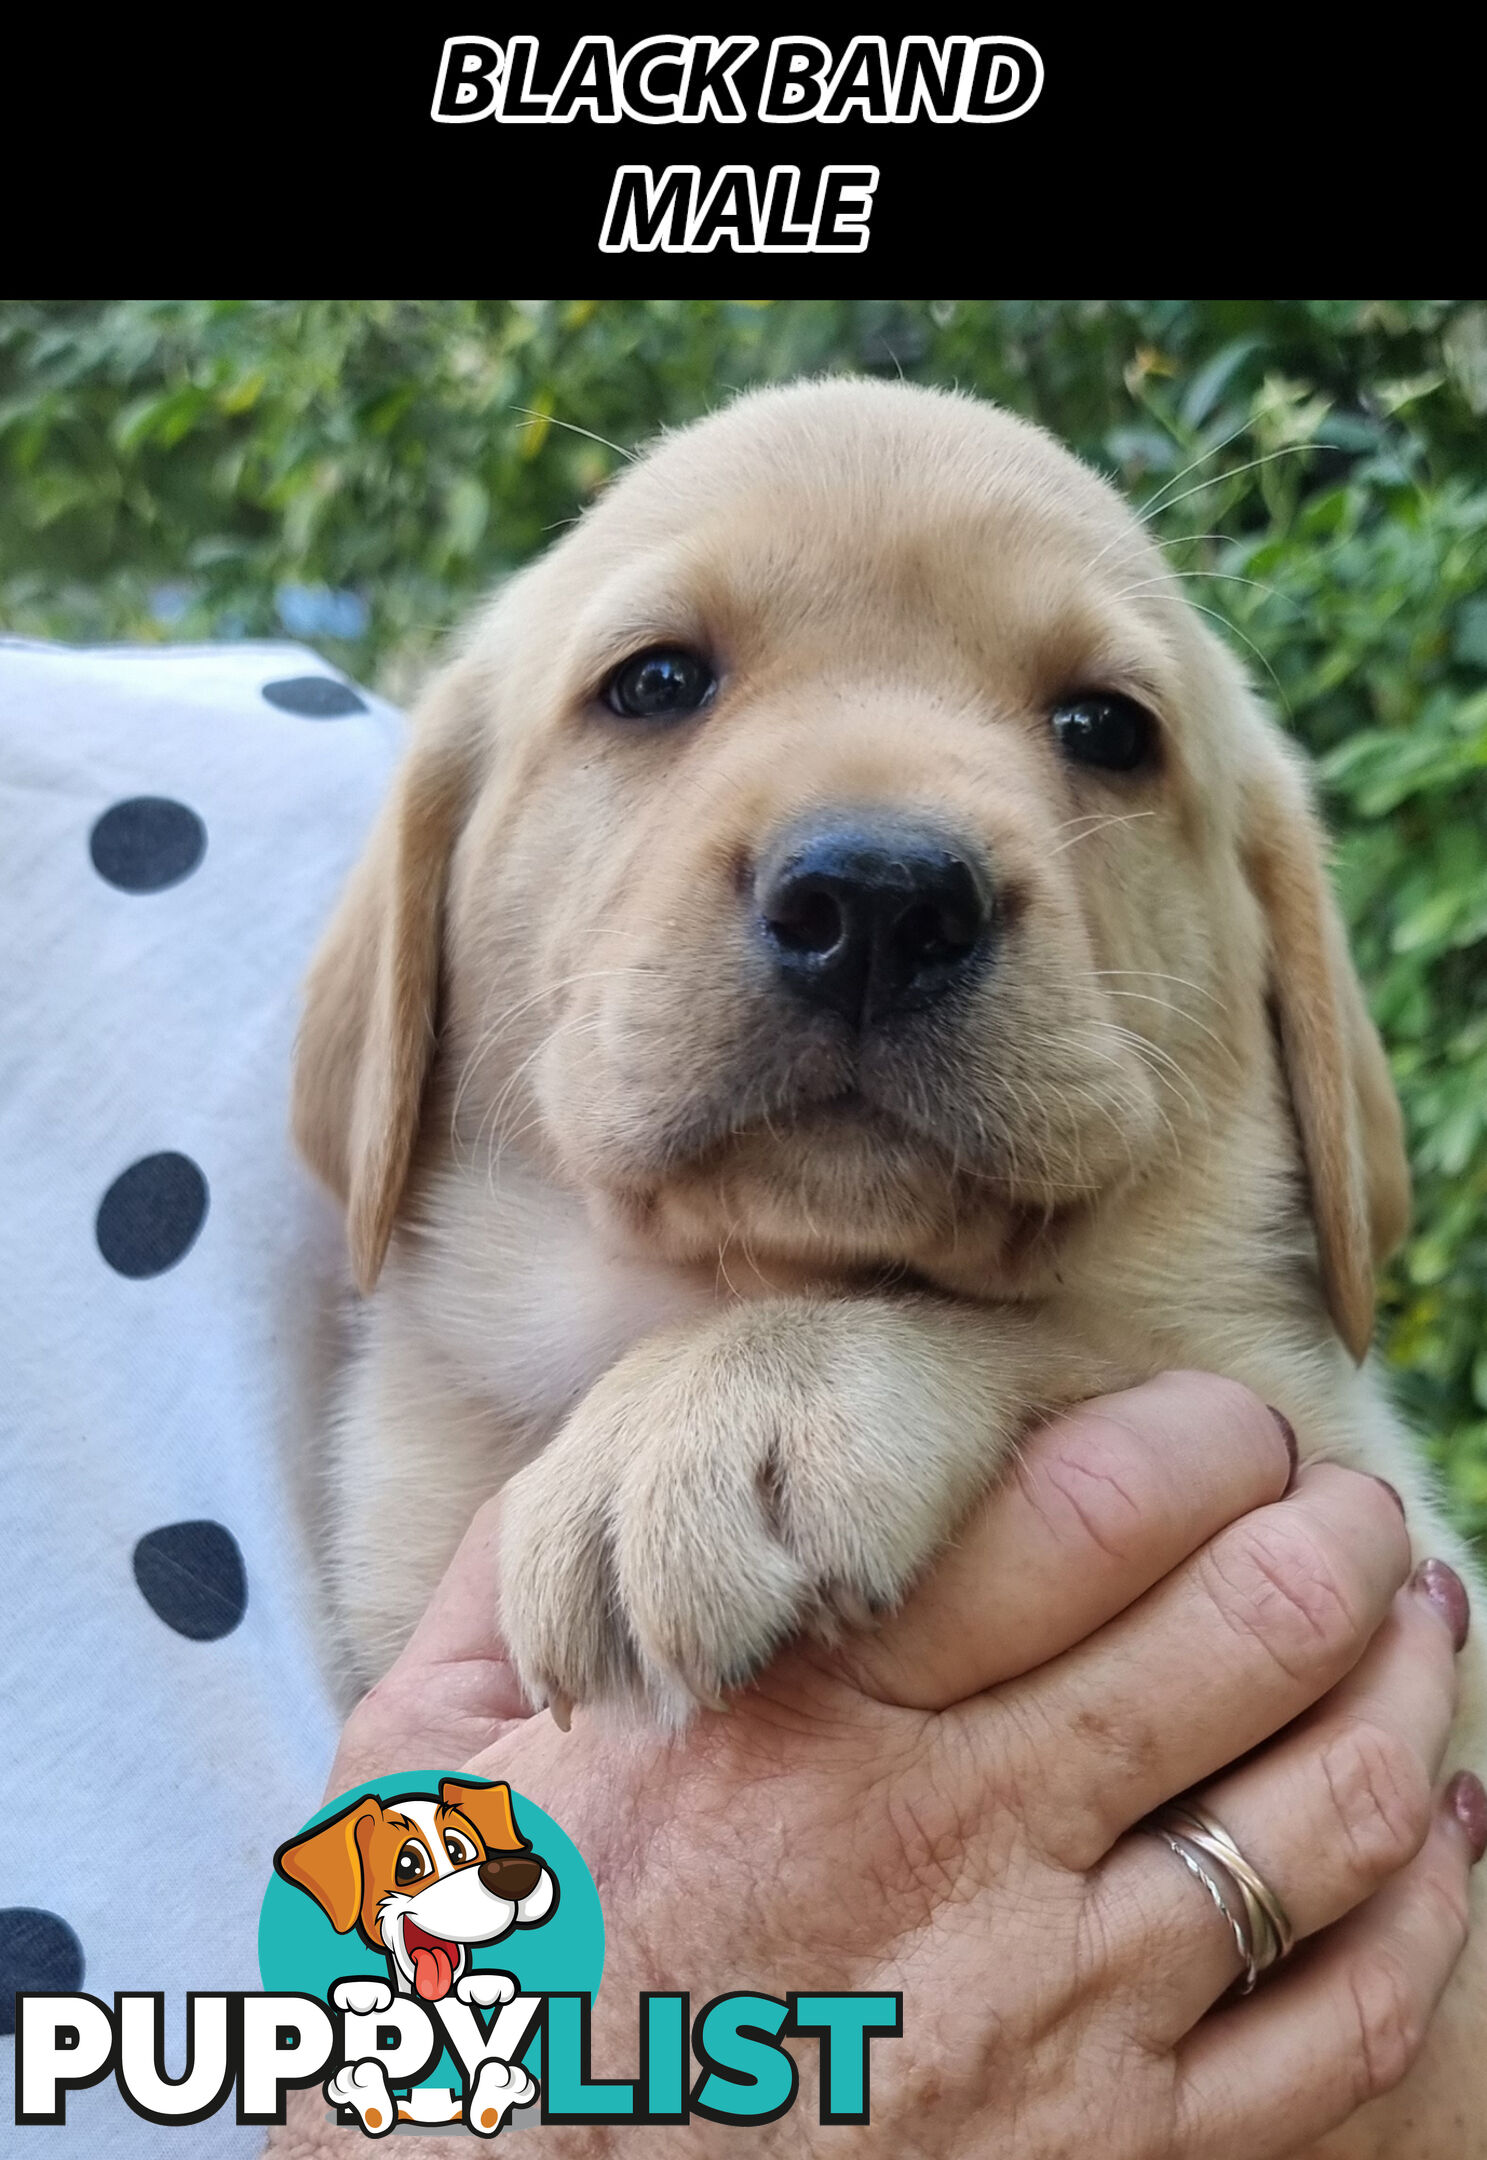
177,824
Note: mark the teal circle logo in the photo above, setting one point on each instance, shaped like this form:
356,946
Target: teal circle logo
423,1881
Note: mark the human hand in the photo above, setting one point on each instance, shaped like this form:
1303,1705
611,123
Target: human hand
947,1807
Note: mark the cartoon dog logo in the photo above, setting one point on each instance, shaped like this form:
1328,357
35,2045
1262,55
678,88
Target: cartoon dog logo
424,1878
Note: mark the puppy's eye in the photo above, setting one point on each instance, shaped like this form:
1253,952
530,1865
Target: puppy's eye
412,1863
665,683
1110,731
459,1849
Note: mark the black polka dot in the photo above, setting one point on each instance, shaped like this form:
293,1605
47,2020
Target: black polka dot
37,1952
192,1575
150,1216
315,697
147,843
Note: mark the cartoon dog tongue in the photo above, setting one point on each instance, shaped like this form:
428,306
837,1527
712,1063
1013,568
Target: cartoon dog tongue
433,1962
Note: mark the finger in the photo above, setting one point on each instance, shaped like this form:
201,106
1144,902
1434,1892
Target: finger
1216,1658
1101,1504
1325,1814
1338,2028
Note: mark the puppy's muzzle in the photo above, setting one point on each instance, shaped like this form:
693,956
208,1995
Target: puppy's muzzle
872,918
511,1877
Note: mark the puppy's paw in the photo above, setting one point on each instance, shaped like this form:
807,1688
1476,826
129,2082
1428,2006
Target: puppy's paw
709,1500
499,2087
362,2087
486,1988
364,1998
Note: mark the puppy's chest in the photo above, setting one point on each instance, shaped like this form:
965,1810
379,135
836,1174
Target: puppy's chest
524,1304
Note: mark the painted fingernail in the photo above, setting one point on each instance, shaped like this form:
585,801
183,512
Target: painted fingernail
1447,1593
1393,1491
1288,1434
1467,1800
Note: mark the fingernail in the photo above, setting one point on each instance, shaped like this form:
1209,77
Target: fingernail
1447,1593
1467,1800
1288,1434
1393,1492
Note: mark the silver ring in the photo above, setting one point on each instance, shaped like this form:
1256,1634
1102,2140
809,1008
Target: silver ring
1261,1926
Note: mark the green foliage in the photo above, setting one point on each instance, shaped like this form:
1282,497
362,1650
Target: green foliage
355,472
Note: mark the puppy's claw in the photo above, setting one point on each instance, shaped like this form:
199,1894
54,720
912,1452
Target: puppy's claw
560,1710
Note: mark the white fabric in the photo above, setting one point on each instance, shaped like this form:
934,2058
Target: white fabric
146,1776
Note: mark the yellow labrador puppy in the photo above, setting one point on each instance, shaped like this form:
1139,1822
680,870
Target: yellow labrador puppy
847,966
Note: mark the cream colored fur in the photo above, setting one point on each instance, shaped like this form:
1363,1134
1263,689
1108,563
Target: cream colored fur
747,1358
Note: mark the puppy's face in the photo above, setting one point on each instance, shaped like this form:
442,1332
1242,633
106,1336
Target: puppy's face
844,884
845,850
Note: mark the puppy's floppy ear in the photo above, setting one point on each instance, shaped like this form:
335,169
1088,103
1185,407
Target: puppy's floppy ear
1346,1110
366,1041
489,1808
327,1862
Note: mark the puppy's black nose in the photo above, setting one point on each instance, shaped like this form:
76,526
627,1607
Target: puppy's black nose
513,1876
873,917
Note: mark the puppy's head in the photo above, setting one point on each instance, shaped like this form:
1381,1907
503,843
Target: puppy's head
422,1878
847,844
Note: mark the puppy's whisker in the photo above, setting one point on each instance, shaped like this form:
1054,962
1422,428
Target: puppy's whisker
1156,975
1086,817
1152,1054
1030,1126
1125,1099
548,990
1179,1012
1215,615
530,412
1155,508
997,1139
1229,472
751,1258
581,1025
1159,1064
1127,1102
1139,542
1153,503
493,1031
1140,1043
1128,817
1227,577
1163,499
722,1269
